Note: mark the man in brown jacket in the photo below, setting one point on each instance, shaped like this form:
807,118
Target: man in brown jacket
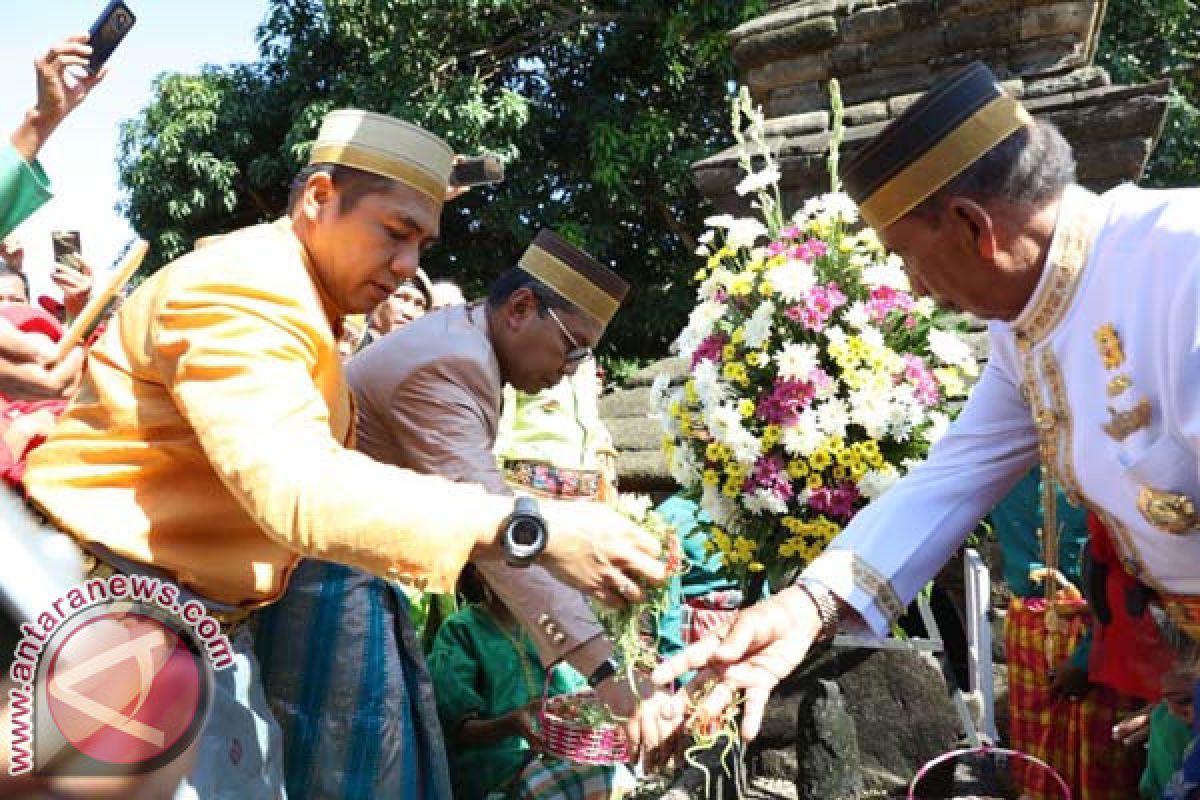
429,398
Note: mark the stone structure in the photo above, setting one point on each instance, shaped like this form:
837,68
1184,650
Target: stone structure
885,54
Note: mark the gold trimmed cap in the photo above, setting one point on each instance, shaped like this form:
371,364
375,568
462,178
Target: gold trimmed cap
580,279
944,132
385,146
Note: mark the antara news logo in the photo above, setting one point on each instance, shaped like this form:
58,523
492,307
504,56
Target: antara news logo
116,677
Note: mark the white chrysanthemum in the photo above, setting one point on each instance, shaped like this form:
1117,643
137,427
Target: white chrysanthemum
856,315
686,342
744,232
939,423
758,327
723,221
659,388
702,250
718,280
905,413
758,181
871,410
924,307
890,273
634,506
683,466
833,417
725,424
792,279
724,512
764,501
804,437
706,237
709,388
835,334
839,204
949,348
878,481
872,337
797,360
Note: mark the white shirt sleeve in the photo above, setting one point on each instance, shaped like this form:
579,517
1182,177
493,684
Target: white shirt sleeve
897,543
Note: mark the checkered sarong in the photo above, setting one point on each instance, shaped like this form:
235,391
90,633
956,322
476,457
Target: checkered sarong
554,779
1074,737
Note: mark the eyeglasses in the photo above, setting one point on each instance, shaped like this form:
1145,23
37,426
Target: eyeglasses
576,352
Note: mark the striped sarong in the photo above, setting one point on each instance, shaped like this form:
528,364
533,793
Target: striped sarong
1073,736
346,679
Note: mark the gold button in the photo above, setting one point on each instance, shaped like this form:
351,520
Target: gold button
543,619
559,638
1046,420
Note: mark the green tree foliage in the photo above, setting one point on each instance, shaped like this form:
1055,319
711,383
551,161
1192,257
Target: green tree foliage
599,108
1144,40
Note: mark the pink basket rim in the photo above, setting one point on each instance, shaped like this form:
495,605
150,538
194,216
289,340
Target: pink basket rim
987,749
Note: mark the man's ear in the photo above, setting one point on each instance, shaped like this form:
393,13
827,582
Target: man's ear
974,229
319,193
520,306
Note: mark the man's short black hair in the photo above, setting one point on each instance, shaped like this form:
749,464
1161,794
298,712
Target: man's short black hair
516,278
352,184
7,269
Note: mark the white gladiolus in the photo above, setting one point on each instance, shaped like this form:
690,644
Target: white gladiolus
890,274
744,232
723,221
758,181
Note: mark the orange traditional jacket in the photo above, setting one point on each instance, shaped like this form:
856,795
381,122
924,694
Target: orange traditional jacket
211,438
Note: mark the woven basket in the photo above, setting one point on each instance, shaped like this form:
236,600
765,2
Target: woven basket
988,750
571,740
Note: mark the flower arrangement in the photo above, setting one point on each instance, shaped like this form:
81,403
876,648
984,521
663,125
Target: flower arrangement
816,378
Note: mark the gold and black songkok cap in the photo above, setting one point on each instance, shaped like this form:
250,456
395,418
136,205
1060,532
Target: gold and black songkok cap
944,132
580,279
385,146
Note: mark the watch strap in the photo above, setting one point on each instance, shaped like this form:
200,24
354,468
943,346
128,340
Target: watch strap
826,604
608,668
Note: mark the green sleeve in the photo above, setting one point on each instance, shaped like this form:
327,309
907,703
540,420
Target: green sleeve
24,188
454,666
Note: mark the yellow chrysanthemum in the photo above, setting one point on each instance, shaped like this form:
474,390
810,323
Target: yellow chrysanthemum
746,407
711,478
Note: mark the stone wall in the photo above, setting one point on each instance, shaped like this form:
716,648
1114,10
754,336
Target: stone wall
885,54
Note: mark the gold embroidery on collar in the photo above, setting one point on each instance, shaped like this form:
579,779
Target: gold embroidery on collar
1118,385
1078,221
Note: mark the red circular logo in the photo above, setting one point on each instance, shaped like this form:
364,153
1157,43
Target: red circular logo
126,688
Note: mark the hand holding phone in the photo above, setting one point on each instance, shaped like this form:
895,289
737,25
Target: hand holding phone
114,22
477,171
67,249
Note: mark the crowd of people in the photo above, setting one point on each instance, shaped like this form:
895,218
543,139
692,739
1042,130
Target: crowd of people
301,431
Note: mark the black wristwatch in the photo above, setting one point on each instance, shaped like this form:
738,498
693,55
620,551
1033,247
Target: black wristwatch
523,533
608,667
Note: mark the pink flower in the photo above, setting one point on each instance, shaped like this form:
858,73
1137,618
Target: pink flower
837,502
790,232
817,306
710,349
917,372
770,473
883,300
783,404
776,248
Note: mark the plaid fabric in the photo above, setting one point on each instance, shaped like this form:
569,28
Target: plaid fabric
709,612
554,779
1074,737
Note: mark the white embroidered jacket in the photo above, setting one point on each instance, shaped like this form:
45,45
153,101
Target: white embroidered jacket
1122,436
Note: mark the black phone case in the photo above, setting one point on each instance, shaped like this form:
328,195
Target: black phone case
477,171
107,31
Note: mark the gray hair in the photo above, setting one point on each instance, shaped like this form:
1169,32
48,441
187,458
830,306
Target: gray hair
1028,170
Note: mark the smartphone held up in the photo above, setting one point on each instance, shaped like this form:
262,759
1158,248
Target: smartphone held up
477,171
114,22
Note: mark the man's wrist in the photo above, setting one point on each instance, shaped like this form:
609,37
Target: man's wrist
826,605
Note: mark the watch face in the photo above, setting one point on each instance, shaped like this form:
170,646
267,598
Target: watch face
525,532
